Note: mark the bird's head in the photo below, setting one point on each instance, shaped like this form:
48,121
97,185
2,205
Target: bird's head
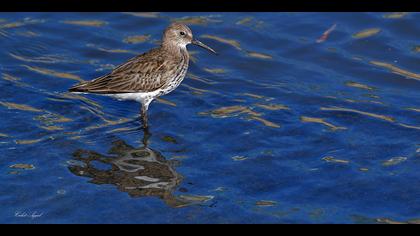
178,34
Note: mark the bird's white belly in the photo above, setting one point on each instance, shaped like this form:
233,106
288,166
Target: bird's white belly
139,97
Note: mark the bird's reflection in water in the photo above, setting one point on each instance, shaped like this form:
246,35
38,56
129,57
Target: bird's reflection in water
137,171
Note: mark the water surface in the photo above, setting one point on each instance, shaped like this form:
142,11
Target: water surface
302,118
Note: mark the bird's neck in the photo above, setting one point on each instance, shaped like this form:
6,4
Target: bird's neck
176,49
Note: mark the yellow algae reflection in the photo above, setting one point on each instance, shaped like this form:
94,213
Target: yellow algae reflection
179,157
22,166
11,25
192,56
143,14
230,111
28,34
265,203
41,59
94,23
366,33
259,55
231,42
382,117
199,91
167,102
196,20
24,22
3,34
264,121
245,20
409,126
195,77
107,123
215,70
273,107
51,128
110,50
15,80
253,95
239,158
28,141
334,160
79,97
358,85
54,73
52,118
396,70
307,119
250,22
394,161
394,222
10,77
389,221
120,130
137,39
196,198
95,112
21,107
257,96
371,96
395,15
414,109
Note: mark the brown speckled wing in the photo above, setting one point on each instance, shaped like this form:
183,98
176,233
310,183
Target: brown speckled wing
144,73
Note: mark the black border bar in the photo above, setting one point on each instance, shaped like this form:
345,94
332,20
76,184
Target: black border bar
211,5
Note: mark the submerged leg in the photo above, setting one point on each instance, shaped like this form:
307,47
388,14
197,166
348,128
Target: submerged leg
146,137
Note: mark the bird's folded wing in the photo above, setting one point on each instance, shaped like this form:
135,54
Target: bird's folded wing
143,73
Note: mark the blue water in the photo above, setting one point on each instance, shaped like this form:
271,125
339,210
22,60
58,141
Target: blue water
278,128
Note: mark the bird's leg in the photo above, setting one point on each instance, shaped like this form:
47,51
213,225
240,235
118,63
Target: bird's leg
144,107
143,115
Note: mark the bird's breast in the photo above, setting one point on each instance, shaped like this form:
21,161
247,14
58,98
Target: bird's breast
177,77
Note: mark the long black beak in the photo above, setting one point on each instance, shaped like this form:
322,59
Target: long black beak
198,43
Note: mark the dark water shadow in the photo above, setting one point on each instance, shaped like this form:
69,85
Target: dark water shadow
141,172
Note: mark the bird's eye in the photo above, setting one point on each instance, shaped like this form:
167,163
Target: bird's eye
182,33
